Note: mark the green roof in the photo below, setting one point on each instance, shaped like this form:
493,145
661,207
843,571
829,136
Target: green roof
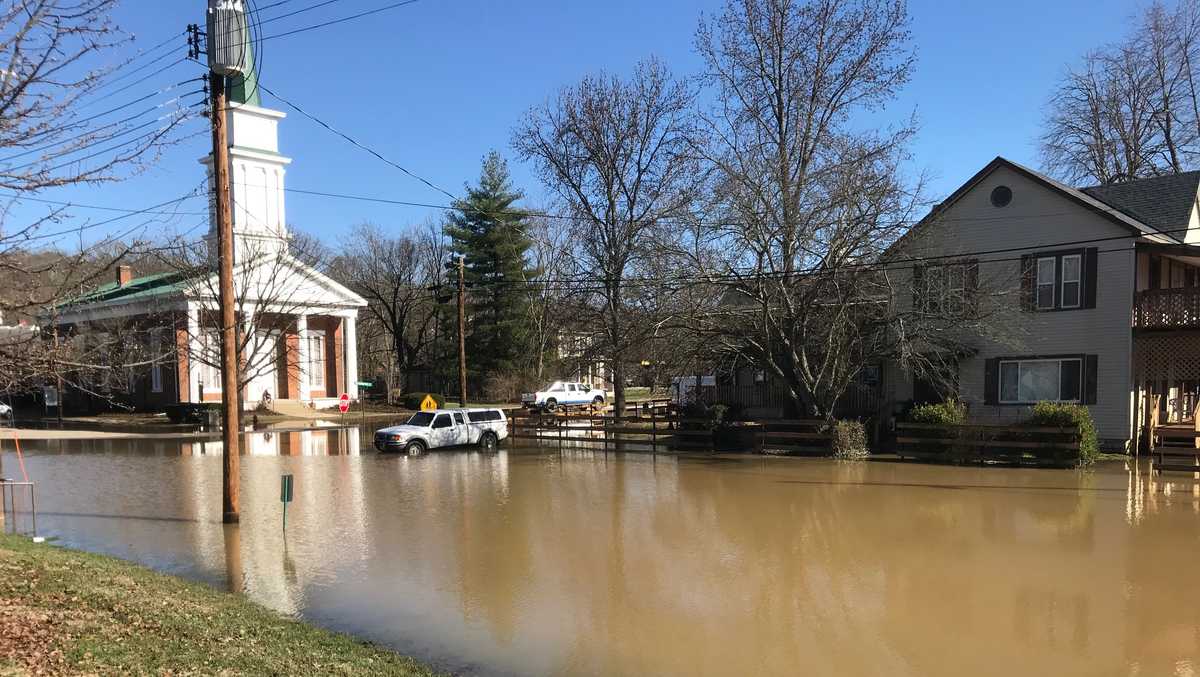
150,286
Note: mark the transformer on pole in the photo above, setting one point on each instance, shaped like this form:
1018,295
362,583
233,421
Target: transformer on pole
228,37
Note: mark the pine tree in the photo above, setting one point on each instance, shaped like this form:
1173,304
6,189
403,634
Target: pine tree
492,234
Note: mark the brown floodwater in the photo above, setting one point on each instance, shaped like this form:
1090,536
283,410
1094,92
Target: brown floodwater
528,562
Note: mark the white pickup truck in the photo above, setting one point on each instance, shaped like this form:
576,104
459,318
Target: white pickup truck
426,430
564,394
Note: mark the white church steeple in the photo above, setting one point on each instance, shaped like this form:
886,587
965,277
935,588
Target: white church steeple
256,174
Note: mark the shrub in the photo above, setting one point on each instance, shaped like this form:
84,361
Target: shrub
950,412
192,412
503,388
712,415
1066,415
849,440
413,400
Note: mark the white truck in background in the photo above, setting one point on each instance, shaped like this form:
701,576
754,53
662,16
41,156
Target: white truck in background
565,394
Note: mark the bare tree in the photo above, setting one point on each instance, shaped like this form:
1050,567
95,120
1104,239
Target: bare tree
59,127
396,275
550,256
805,198
1131,110
618,153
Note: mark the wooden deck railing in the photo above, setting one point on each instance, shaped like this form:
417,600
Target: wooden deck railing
1167,308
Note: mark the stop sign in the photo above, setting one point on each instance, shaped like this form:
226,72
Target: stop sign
344,403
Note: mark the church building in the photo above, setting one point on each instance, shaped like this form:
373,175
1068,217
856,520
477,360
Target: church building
297,338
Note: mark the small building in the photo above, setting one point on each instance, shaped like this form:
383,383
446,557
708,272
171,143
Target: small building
297,337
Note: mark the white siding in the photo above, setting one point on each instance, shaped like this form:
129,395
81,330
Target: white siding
1041,219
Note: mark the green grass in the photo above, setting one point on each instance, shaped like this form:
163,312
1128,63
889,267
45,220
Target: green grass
69,612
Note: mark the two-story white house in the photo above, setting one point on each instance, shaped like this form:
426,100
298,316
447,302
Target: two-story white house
1101,286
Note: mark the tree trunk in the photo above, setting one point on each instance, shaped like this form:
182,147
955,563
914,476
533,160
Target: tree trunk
618,371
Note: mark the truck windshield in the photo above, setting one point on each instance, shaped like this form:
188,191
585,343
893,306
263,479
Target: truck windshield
421,419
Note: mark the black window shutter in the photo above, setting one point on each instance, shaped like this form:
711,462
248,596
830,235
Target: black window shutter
1027,282
1089,379
918,289
1089,277
991,381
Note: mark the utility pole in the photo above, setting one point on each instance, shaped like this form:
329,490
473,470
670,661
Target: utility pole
462,333
228,55
230,416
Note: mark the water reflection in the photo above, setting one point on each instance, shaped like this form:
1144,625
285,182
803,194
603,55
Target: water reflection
584,562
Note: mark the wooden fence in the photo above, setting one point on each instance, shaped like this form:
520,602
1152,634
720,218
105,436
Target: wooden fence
657,431
803,436
1017,444
653,430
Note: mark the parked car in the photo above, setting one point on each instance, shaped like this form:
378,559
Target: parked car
440,428
564,394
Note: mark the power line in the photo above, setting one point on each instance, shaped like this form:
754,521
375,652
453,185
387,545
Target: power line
91,132
89,226
372,151
341,20
155,134
134,83
175,117
80,205
294,12
75,124
699,222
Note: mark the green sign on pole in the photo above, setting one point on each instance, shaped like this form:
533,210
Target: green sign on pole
285,495
365,384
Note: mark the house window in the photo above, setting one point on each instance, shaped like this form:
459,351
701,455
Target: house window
1059,280
156,384
1045,282
1072,274
1037,380
210,360
945,288
316,359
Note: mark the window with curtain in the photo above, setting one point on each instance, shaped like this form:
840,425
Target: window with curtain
1028,381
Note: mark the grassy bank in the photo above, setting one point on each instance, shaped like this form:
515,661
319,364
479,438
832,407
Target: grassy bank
68,612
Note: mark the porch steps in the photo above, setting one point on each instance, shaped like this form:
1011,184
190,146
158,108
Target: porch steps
1177,457
294,409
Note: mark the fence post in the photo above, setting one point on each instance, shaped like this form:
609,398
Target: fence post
654,431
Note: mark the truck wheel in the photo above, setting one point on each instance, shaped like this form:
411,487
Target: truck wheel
551,404
414,448
488,441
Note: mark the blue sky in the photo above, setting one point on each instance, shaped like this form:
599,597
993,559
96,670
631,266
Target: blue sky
435,85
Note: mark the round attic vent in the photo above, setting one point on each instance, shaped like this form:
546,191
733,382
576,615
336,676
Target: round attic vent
1001,196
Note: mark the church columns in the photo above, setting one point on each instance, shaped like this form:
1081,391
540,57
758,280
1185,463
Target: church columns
302,357
350,341
195,352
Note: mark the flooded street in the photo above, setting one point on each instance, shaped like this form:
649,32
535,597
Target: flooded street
532,563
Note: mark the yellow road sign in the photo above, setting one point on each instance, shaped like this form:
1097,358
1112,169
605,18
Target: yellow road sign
428,404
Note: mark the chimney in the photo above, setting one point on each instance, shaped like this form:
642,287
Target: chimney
124,275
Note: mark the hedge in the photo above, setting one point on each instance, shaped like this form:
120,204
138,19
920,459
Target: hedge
413,400
950,412
1066,415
